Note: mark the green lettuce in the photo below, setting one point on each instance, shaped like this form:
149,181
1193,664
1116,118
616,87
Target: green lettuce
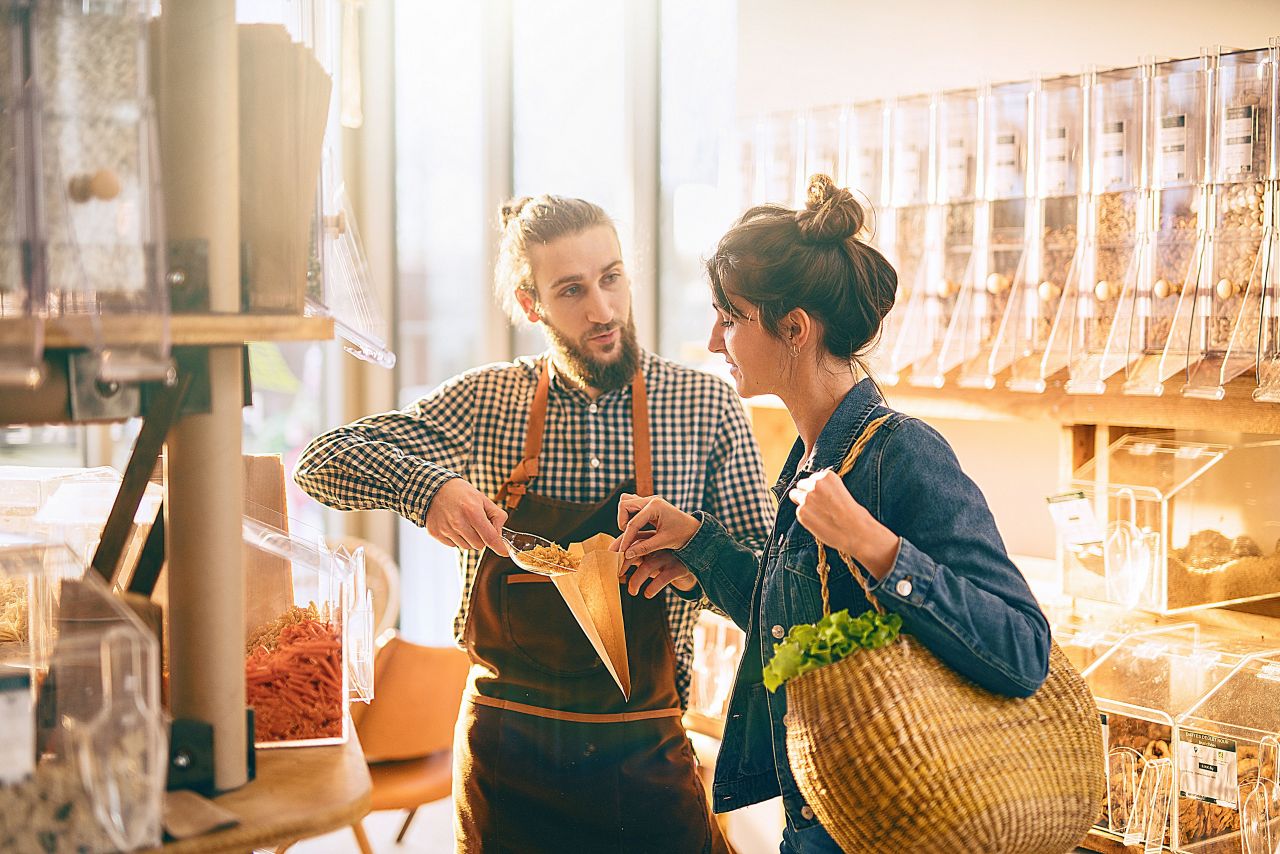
809,646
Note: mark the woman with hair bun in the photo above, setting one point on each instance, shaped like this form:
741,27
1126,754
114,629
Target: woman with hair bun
799,301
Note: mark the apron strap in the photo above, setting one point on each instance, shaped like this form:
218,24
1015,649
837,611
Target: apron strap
517,483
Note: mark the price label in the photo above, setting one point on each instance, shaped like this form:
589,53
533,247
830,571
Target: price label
958,162
1111,153
1055,163
1173,148
1074,518
906,175
1207,768
1005,160
1237,140
18,723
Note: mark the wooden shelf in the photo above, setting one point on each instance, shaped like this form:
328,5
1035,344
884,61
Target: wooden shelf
299,792
193,330
1106,843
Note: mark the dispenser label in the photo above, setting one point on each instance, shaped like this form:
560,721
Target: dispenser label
1207,768
1173,148
1111,155
1005,159
1074,518
18,723
1237,140
1055,164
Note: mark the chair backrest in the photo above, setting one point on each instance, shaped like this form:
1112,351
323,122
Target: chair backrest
417,691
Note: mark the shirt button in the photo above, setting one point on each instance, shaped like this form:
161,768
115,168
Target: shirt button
807,812
593,409
595,462
903,588
779,631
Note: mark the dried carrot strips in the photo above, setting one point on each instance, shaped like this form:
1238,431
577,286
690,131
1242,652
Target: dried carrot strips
295,684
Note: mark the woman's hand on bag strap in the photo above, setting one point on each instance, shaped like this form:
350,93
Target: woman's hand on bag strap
836,519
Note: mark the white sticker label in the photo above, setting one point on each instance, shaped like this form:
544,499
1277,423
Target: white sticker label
1054,165
958,161
1173,148
18,723
906,175
1074,518
1207,768
1237,140
1005,159
869,171
1111,151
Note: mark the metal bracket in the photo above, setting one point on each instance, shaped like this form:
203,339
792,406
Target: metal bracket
93,399
187,275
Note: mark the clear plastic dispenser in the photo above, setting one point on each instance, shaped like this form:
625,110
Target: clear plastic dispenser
1177,158
744,175
1000,256
309,647
957,218
1093,319
1226,755
717,649
1217,321
1142,686
824,135
1055,220
22,341
349,294
83,736
863,168
781,156
96,242
905,231
1184,525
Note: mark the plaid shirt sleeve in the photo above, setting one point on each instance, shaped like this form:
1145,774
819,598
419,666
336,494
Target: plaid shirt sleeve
737,496
396,460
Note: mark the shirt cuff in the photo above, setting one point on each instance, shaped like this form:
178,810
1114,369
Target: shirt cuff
419,490
909,579
700,552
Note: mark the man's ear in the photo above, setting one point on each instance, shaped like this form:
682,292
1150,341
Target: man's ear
529,304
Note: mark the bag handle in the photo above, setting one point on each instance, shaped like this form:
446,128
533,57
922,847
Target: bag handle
824,571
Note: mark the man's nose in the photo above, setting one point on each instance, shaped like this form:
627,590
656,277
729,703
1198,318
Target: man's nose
598,308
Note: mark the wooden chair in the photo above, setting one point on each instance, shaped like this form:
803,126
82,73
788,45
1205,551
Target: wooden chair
407,731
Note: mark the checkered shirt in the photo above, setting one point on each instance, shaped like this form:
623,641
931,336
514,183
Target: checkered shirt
473,426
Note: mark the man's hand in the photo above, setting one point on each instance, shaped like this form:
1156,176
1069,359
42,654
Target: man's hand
463,517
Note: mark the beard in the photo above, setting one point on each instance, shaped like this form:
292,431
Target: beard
589,371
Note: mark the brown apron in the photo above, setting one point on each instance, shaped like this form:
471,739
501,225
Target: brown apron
550,757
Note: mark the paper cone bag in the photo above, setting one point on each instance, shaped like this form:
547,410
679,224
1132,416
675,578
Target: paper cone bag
594,596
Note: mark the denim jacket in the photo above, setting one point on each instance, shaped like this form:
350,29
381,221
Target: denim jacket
952,582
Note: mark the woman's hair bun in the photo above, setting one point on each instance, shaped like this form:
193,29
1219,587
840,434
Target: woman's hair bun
512,207
831,214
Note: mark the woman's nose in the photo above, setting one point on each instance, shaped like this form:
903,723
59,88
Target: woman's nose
716,342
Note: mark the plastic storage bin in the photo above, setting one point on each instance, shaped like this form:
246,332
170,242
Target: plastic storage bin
1184,525
310,633
1226,754
84,740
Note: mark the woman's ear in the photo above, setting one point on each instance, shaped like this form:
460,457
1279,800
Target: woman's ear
798,328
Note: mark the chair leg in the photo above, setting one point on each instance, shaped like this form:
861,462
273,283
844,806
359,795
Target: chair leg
361,839
404,828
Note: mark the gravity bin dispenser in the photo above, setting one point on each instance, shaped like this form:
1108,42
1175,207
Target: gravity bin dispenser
956,216
1093,320
1055,221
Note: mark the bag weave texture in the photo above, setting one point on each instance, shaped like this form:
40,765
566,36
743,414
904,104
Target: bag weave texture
896,752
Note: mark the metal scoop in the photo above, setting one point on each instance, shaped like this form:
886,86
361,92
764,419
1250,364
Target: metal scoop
518,542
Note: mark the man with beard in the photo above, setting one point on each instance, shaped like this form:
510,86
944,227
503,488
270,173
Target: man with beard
550,755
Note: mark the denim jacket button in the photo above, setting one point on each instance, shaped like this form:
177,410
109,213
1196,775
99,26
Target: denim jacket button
903,588
779,632
807,812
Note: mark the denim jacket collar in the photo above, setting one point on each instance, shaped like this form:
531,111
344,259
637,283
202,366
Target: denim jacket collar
837,436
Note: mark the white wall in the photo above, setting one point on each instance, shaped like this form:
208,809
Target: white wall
817,52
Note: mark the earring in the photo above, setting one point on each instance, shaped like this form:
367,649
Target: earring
795,351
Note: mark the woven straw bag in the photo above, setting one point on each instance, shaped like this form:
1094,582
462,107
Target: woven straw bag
896,752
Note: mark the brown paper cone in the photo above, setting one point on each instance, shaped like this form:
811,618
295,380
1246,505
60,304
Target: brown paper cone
594,596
